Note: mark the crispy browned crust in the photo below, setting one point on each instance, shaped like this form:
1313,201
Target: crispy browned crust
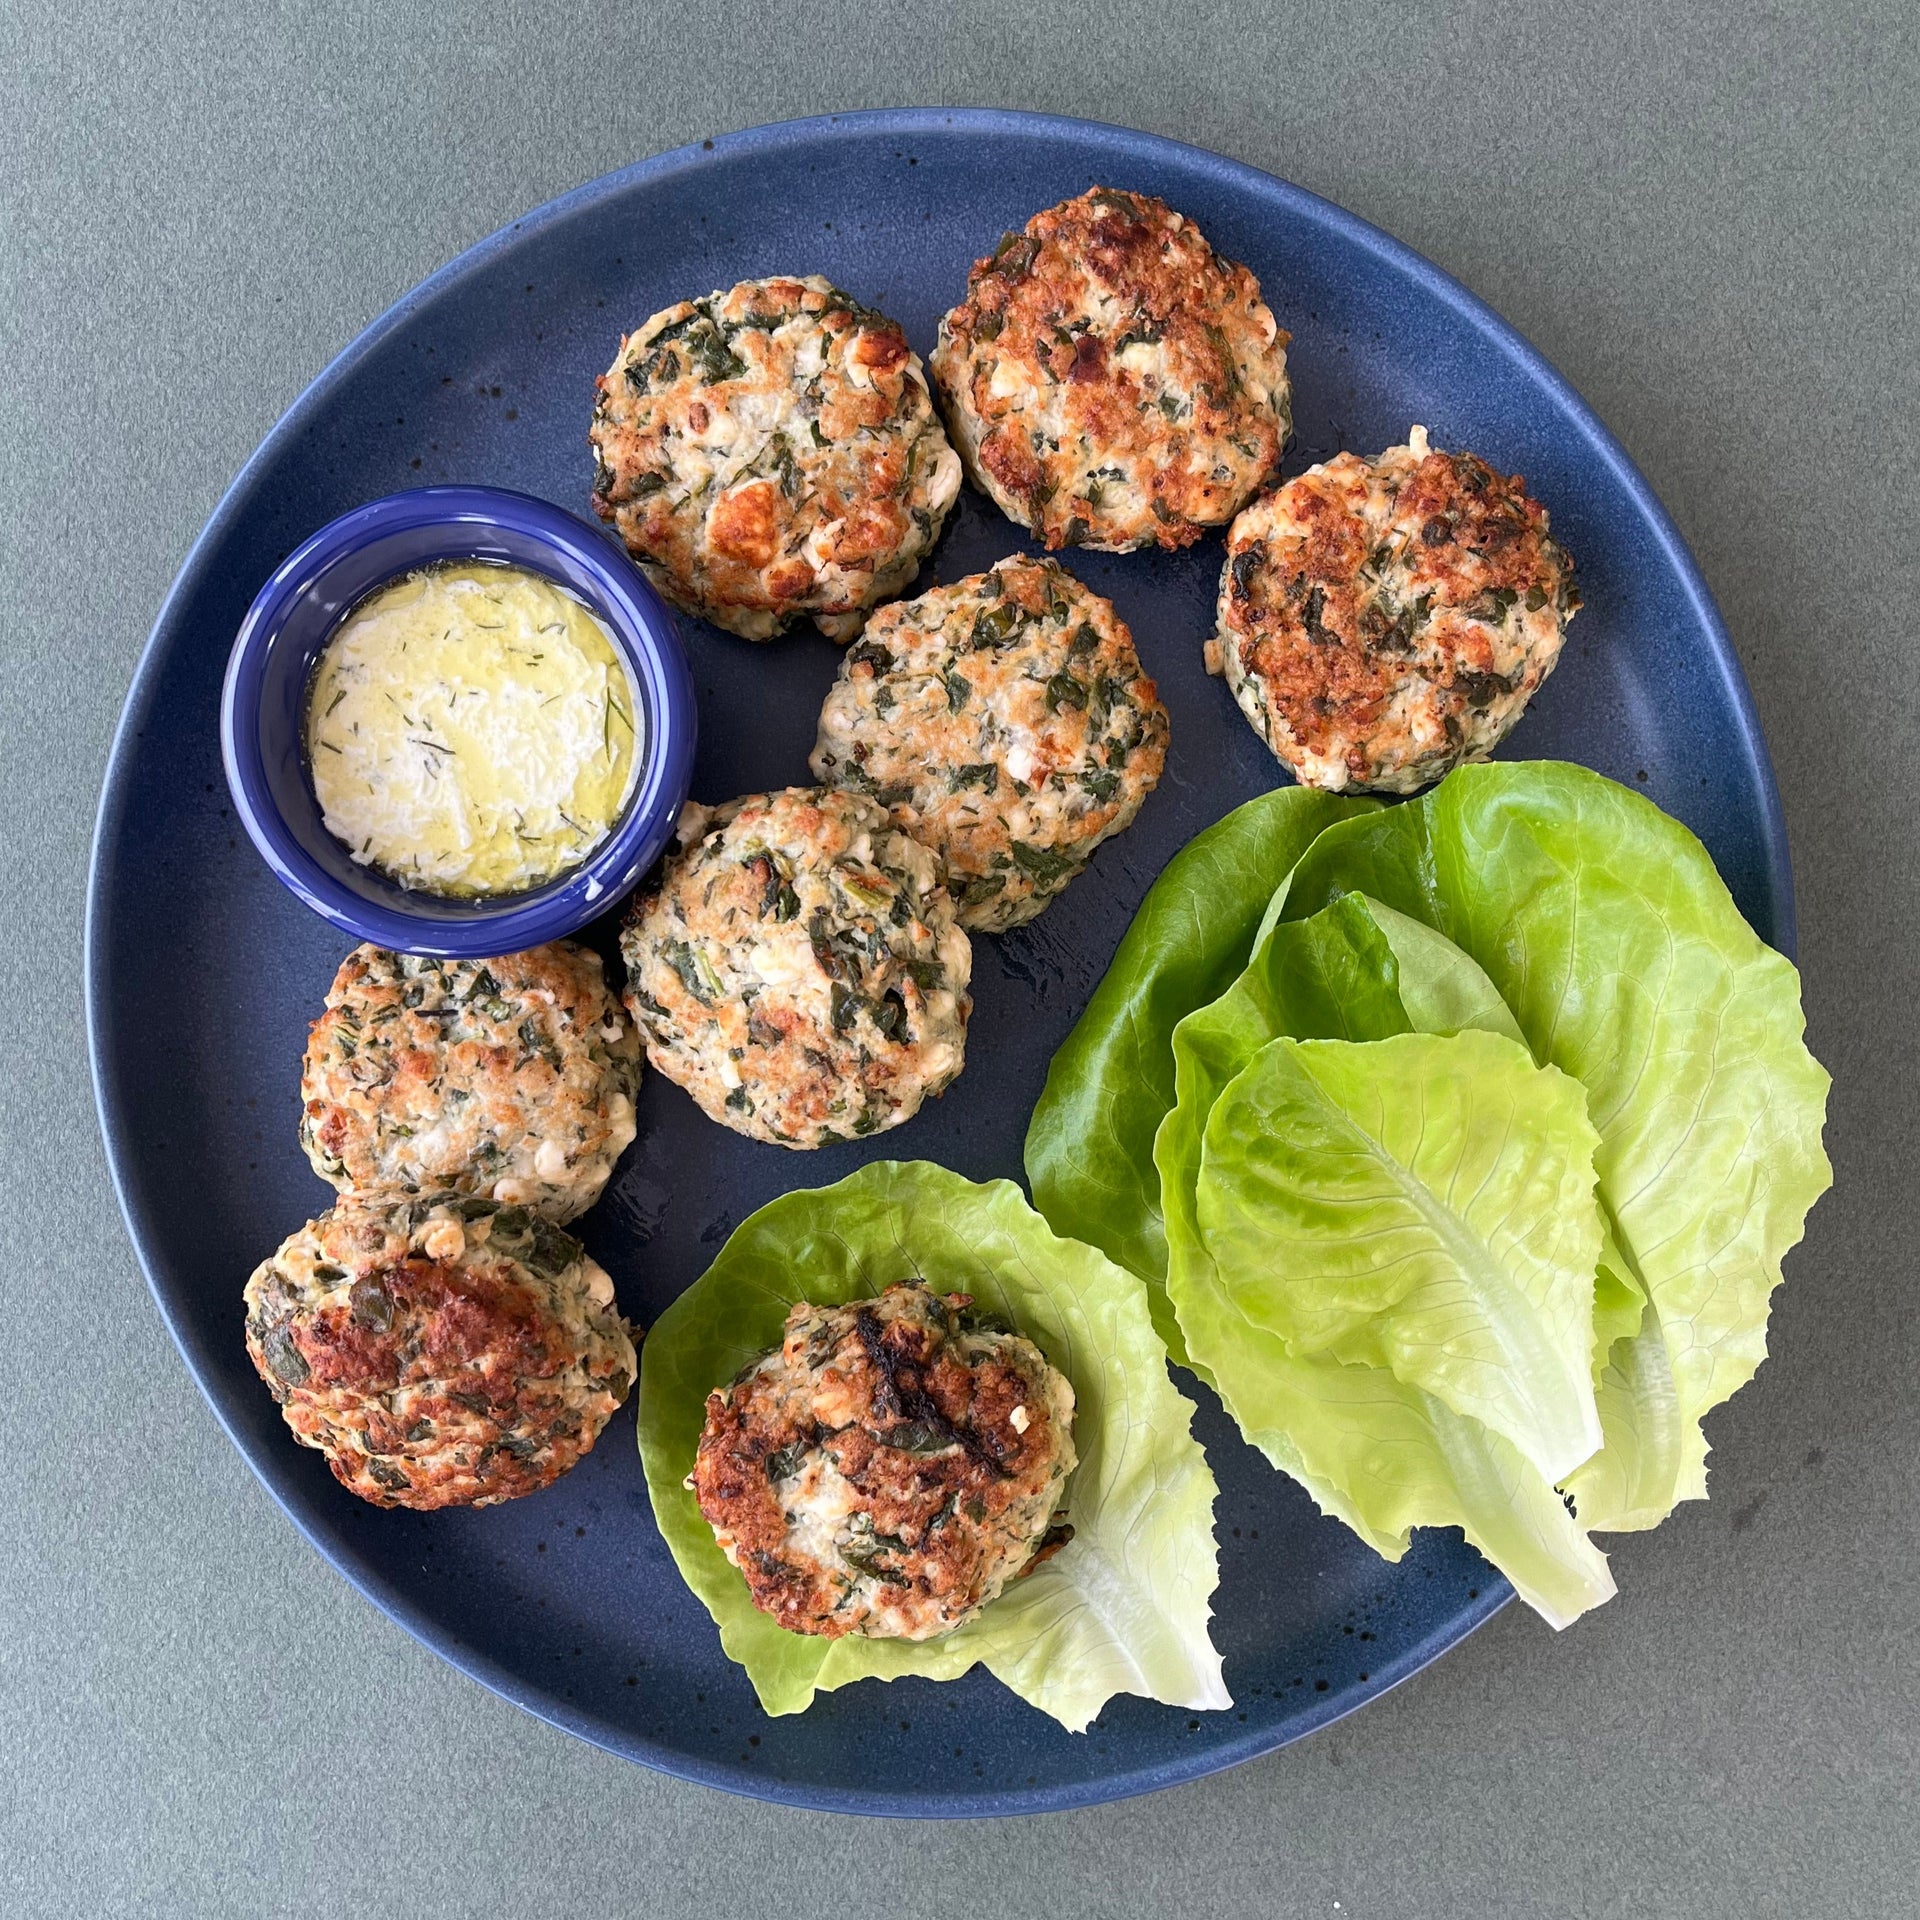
1306,611
431,1382
1060,302
881,1377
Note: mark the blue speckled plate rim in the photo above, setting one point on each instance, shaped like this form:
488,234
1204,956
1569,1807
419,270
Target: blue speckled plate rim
1122,144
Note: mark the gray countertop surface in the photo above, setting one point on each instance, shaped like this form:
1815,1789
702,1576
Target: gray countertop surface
1708,217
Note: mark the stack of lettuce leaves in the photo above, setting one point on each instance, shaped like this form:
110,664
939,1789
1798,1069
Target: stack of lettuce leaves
1124,1606
1458,1144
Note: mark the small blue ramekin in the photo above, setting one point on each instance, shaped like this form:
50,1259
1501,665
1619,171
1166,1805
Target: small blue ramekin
263,707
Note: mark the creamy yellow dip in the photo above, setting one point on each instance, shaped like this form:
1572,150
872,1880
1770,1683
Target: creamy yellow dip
471,729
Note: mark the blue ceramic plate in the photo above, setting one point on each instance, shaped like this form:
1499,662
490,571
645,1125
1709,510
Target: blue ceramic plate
204,971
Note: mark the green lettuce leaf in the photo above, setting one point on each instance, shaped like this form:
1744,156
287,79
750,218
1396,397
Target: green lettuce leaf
1089,1152
1605,929
1359,970
1651,1457
1386,1458
1331,978
1382,1456
1423,1204
1123,1608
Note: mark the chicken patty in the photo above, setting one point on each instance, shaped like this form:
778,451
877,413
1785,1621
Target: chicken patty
888,1468
1004,721
443,1351
769,452
1110,381
1382,621
796,966
511,1078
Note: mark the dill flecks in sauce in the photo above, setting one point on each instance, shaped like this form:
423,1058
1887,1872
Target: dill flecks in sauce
471,730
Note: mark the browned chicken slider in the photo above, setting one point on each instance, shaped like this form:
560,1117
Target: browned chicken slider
888,1468
511,1078
1110,381
771,452
445,1351
795,965
1382,621
1005,721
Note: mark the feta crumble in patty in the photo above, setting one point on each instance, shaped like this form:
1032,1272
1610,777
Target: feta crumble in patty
1382,621
444,1351
772,451
511,1078
888,1468
1004,721
796,966
1110,381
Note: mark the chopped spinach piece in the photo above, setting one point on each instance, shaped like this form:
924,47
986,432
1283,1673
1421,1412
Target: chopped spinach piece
483,982
980,1320
1063,690
690,966
371,1304
788,468
286,1360
1482,689
836,951
864,1557
993,626
1229,368
1042,865
713,359
1013,258
1318,631
698,315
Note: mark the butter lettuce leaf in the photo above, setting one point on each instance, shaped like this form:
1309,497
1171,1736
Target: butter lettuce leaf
1333,977
1608,934
1651,1457
1123,1607
1380,1455
1422,1204
1386,1458
1089,1151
